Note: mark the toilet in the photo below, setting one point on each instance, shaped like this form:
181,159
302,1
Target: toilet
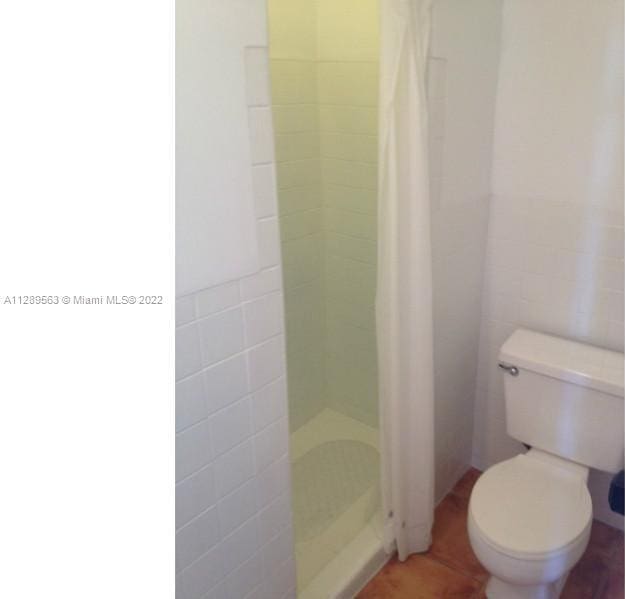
529,517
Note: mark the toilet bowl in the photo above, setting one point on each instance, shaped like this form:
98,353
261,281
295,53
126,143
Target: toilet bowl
529,523
530,516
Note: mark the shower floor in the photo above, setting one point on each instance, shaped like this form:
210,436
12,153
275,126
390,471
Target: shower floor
335,480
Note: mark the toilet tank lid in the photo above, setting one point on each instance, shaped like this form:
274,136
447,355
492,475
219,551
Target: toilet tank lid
571,361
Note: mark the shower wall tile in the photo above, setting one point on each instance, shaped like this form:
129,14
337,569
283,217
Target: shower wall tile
294,81
237,507
261,283
341,36
191,405
234,468
268,242
216,299
264,318
188,351
231,386
351,83
224,382
185,310
195,495
221,335
256,80
348,93
264,187
291,28
269,404
356,120
266,362
230,426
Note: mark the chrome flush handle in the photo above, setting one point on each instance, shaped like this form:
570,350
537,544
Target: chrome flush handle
513,370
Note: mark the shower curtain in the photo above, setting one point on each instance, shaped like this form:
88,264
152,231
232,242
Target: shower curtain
404,285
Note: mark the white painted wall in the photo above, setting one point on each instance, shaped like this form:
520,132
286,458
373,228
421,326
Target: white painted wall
555,237
233,515
462,84
211,129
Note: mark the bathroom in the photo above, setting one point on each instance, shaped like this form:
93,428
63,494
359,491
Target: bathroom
400,191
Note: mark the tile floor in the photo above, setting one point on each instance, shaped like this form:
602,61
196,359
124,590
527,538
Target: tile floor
451,570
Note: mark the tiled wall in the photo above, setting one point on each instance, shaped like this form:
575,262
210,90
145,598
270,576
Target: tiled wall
464,50
348,90
234,535
324,87
555,237
293,47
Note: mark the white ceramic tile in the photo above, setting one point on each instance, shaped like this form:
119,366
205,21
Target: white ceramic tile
219,591
237,507
188,353
269,404
199,578
268,242
271,443
612,274
261,283
264,187
216,347
257,76
240,545
225,382
230,426
196,538
234,468
193,449
266,362
245,578
263,318
190,401
180,594
185,309
278,550
615,335
272,481
216,299
261,135
221,335
275,517
194,495
283,580
615,306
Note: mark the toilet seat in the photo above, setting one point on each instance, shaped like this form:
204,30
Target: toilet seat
532,506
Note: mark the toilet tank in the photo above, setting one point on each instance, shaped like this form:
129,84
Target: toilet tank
565,398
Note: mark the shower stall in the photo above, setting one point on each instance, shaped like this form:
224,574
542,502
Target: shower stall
324,86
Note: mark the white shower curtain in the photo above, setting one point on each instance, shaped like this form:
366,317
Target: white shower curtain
404,292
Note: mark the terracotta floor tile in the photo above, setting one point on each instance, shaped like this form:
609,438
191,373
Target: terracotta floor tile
604,540
419,577
464,486
616,584
588,580
451,543
451,570
617,561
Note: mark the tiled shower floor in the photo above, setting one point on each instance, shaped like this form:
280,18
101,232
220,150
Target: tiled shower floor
335,480
450,569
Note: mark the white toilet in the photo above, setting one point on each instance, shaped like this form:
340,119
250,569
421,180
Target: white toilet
530,516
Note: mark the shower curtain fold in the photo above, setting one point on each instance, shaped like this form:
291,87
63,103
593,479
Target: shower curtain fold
404,280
